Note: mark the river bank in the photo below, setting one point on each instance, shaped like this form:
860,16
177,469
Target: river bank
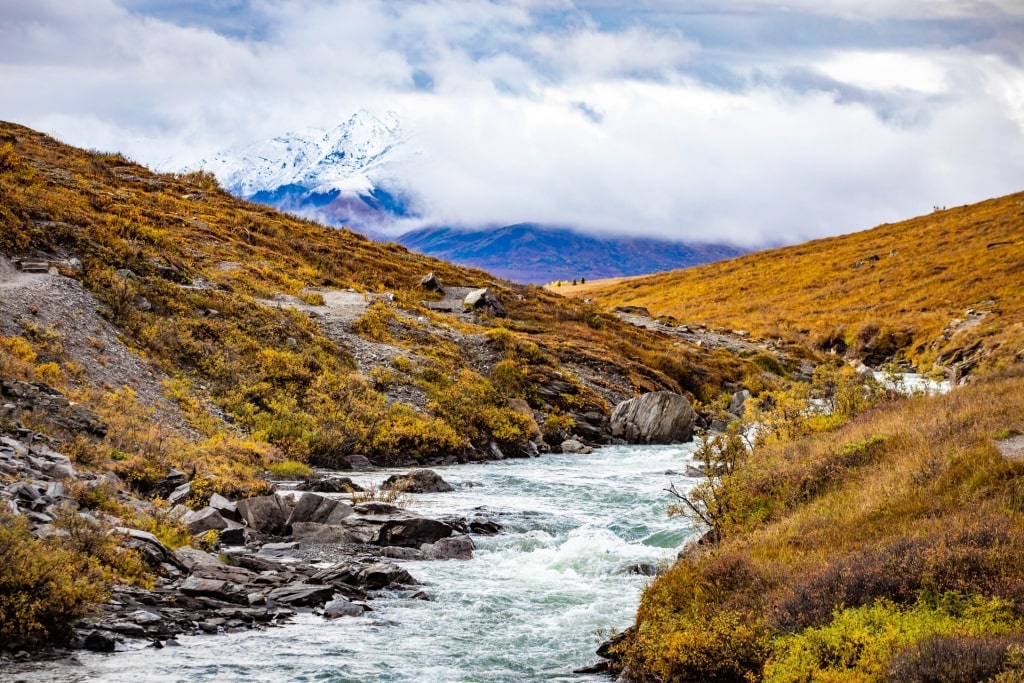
533,603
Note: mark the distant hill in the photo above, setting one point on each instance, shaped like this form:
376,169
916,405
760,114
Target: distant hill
941,288
532,253
347,176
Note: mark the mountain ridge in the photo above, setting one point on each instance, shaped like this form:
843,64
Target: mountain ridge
533,253
349,176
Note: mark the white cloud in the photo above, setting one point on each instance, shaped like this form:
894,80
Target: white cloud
537,110
887,71
683,161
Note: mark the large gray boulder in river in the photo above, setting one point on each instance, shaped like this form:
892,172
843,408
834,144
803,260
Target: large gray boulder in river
657,417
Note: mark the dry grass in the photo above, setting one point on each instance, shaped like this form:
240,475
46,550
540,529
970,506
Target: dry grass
909,280
931,510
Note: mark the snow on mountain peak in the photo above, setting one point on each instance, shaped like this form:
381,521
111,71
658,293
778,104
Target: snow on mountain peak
346,158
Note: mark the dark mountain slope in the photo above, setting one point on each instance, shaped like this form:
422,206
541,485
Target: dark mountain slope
527,252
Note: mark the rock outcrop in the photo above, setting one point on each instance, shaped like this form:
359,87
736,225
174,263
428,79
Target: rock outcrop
485,301
660,417
431,283
418,481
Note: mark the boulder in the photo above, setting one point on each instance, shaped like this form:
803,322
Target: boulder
485,301
383,574
219,589
573,446
412,533
173,480
149,546
225,507
232,534
100,641
431,283
660,417
526,450
204,520
330,485
266,514
418,481
313,508
278,551
452,548
362,529
190,559
61,469
314,532
302,594
340,607
591,425
179,495
484,527
354,461
738,403
378,508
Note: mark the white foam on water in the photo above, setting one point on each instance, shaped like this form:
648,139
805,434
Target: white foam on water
533,604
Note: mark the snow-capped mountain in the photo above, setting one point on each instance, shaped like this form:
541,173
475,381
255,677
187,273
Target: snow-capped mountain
339,175
350,176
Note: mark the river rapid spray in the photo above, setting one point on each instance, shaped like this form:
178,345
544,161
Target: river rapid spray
533,603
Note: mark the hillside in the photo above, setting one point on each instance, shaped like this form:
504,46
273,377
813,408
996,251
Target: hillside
852,534
244,307
538,254
882,548
945,288
160,338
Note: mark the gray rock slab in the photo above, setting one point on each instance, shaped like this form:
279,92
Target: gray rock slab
266,514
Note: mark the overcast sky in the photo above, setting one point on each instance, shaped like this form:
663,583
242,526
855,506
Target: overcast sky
752,121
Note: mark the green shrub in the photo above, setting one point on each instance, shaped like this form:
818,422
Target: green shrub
470,404
859,644
375,323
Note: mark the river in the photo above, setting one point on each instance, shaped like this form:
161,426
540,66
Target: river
532,605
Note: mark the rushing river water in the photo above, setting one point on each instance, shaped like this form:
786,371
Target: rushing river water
532,605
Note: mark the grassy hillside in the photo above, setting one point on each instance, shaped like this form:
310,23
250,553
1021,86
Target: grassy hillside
885,549
172,325
215,291
903,289
879,540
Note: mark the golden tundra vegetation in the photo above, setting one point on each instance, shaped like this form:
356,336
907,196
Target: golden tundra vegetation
893,290
252,387
856,534
881,539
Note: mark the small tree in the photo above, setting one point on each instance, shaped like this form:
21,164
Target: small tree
710,502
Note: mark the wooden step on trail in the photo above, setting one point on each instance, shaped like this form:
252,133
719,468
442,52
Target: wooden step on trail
33,265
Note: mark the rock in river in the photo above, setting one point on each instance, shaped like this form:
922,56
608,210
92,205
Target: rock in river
659,417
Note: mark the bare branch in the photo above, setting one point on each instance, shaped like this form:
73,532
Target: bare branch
694,508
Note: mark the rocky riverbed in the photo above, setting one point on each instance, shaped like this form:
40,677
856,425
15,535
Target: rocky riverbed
274,554
578,535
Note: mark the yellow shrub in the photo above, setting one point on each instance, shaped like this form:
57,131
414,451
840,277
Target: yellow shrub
18,348
43,588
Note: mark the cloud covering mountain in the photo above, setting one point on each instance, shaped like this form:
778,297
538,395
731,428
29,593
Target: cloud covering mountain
741,120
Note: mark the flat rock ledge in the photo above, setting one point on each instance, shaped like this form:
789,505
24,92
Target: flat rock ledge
276,554
308,552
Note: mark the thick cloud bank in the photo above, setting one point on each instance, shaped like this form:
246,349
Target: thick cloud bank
748,121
